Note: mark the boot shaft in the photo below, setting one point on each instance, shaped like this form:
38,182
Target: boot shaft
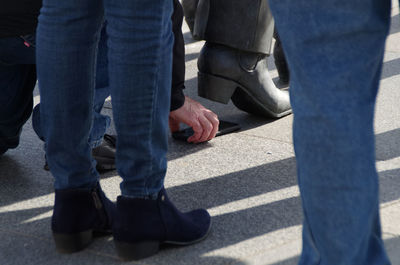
246,25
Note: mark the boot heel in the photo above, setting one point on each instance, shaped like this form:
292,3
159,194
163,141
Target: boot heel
136,251
69,243
215,88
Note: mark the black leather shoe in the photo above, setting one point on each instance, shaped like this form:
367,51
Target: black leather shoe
104,154
223,71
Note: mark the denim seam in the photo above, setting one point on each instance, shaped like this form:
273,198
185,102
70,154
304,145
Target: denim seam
154,98
95,174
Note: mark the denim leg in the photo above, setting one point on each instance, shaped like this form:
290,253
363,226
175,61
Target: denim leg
67,38
335,50
101,92
140,59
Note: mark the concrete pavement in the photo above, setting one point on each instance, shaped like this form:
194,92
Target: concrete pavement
247,180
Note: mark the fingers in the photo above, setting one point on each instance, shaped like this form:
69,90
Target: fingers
213,118
198,132
203,121
206,127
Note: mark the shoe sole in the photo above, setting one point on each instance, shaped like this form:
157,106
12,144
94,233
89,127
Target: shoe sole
224,89
140,250
136,251
177,243
70,243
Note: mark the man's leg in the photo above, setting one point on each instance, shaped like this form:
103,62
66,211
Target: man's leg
140,61
67,63
189,8
67,37
16,102
103,146
102,91
233,62
178,58
335,50
18,79
280,60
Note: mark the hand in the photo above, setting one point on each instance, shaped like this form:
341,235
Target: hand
203,121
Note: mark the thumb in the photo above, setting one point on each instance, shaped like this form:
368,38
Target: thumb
173,125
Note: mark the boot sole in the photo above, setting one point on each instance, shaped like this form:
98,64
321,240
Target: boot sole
141,250
136,251
220,89
191,242
70,243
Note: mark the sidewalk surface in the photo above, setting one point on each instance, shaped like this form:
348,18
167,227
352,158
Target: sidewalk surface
247,180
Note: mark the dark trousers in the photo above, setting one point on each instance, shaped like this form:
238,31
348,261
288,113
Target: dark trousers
17,81
178,58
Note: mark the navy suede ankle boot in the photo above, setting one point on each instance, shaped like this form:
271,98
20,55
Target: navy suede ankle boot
78,213
142,225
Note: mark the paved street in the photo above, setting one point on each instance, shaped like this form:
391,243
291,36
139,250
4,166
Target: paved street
247,180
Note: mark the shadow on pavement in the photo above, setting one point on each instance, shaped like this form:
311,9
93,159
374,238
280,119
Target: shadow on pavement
31,224
238,185
191,56
390,68
387,145
392,247
187,36
395,26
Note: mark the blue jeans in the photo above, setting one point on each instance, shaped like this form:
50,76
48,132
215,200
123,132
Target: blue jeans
139,67
17,81
335,52
102,91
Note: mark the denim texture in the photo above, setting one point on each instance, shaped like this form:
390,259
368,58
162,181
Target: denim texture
335,51
139,69
17,81
101,92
